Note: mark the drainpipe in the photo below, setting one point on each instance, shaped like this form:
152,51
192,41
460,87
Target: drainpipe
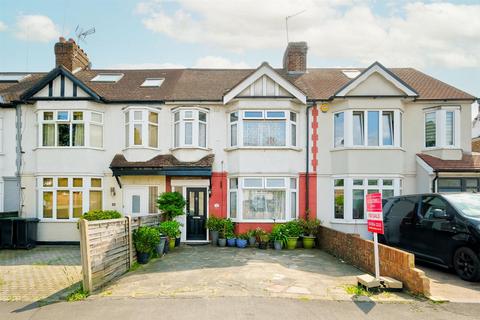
18,162
307,166
434,182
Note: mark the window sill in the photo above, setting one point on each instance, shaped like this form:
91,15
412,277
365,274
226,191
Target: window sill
140,148
190,148
366,148
298,149
441,148
348,222
68,148
75,220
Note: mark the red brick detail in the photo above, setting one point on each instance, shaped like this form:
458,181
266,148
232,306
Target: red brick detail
168,184
302,198
70,55
242,227
218,198
314,148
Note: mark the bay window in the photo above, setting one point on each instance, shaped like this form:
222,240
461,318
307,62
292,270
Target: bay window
263,198
442,127
349,195
372,128
71,129
67,198
263,128
190,128
141,128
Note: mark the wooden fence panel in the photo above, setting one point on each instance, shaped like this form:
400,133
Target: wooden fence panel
107,249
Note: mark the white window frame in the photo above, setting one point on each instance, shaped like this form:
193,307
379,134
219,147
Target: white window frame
287,188
348,129
264,116
144,122
85,189
348,188
195,122
440,127
87,121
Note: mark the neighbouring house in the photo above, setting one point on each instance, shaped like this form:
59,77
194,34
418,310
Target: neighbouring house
258,145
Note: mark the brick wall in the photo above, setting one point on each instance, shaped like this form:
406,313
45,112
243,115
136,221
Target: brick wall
394,263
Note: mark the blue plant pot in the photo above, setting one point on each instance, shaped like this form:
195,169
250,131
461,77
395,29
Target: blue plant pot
143,257
241,243
231,242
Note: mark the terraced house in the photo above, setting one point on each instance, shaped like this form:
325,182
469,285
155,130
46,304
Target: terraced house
258,145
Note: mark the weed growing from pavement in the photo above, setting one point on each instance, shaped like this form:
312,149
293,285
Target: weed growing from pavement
135,266
77,295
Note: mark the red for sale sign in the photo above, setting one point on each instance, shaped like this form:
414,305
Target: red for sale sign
374,213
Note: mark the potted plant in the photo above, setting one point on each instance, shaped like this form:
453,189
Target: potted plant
262,238
278,236
242,240
160,247
310,230
252,238
145,240
214,225
222,234
231,240
172,230
171,204
293,230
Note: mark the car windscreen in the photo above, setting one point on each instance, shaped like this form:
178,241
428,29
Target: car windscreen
467,203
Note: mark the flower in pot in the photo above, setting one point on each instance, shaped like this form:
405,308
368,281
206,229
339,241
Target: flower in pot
172,230
252,237
278,236
214,225
310,231
292,230
145,240
263,237
171,204
242,240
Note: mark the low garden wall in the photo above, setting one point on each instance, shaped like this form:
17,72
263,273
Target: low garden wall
394,263
107,249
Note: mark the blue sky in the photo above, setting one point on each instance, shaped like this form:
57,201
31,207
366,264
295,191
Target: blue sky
439,38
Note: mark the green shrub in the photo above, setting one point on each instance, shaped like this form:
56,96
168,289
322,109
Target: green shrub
293,229
243,236
227,228
310,227
214,223
145,239
101,215
170,228
252,233
171,204
261,234
279,234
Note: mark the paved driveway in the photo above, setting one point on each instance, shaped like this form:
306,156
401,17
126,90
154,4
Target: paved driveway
43,273
206,271
446,285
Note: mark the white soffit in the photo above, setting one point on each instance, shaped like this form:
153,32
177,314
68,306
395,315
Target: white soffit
265,69
381,70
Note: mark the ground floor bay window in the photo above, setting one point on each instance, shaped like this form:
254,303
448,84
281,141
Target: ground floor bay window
262,199
67,198
349,195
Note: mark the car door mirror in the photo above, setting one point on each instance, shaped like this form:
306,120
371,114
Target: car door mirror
440,214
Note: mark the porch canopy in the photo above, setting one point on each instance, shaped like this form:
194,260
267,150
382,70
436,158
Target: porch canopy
161,165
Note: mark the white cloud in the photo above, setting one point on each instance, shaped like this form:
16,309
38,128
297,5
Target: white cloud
3,26
409,33
140,66
215,62
36,28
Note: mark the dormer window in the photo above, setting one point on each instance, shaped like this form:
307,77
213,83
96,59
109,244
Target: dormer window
107,77
190,128
141,127
152,82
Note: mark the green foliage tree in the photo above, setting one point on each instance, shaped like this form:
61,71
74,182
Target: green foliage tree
171,204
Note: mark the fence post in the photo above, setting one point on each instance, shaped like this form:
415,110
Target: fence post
85,254
130,240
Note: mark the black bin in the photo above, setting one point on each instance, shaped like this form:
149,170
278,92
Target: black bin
25,232
6,233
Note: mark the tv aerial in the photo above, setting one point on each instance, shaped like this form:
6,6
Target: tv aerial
291,16
82,34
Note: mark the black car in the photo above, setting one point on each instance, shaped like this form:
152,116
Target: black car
443,229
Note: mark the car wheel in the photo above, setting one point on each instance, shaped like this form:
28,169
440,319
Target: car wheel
467,264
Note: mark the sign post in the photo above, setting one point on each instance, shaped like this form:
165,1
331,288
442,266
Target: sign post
375,224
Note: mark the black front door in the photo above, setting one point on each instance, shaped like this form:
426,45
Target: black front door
196,213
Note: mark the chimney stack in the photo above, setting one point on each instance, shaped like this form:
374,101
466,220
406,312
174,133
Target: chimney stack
70,55
295,58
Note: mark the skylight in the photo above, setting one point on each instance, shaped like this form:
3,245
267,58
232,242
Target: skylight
153,82
13,77
351,73
107,77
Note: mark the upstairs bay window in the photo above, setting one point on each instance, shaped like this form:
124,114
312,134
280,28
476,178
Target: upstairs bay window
190,128
372,128
141,128
263,198
263,128
442,127
71,129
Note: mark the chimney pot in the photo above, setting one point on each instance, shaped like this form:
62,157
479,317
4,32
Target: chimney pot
295,57
61,39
